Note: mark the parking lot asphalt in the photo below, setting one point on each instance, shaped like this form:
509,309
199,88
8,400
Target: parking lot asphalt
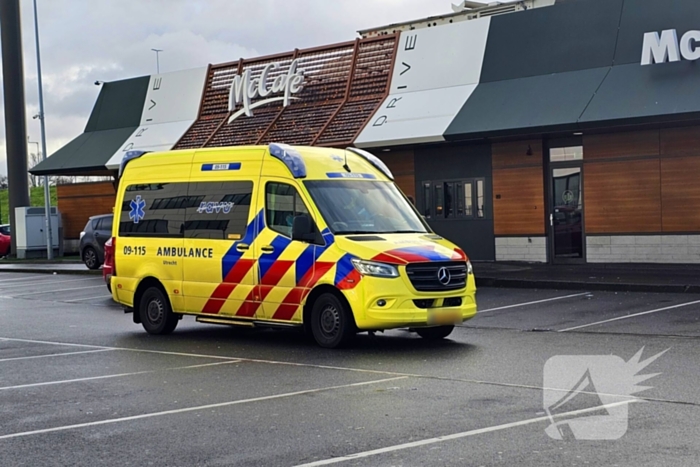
80,384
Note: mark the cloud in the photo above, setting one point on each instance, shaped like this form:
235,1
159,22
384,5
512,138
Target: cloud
87,40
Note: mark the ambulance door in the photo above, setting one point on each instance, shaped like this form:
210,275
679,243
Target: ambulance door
220,270
286,266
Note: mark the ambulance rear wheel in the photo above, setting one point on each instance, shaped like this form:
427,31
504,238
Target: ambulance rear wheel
157,316
435,333
331,322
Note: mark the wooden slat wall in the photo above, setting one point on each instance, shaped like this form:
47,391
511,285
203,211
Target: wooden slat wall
77,202
622,197
642,182
402,165
681,194
630,144
518,188
680,141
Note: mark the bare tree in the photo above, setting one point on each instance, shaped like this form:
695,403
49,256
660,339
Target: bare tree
34,159
3,182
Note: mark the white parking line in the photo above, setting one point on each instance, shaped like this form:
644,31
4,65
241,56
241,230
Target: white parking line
534,303
55,291
24,278
326,367
67,344
54,355
88,298
119,375
8,286
465,434
196,408
629,316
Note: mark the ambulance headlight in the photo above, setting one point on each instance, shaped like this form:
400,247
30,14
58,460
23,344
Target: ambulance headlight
370,268
470,270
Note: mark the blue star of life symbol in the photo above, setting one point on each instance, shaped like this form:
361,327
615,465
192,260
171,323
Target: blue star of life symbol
336,158
137,209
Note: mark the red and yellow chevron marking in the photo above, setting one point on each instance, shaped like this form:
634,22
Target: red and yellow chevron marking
296,296
224,290
268,282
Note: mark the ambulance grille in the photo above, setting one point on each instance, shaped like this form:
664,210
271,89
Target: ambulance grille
425,277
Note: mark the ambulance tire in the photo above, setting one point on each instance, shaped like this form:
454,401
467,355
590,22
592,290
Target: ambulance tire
332,324
157,316
435,333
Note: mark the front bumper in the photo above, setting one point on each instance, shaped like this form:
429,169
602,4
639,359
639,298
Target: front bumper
405,307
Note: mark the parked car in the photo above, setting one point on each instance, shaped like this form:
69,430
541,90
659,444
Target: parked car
108,265
4,245
5,229
92,240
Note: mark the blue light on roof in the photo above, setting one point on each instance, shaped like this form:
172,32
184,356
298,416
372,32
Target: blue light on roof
374,160
129,156
291,158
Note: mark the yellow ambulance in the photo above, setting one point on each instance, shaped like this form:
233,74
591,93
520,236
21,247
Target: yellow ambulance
281,236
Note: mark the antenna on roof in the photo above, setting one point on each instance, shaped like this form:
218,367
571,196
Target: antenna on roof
346,166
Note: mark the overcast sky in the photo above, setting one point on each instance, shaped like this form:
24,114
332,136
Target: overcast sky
87,40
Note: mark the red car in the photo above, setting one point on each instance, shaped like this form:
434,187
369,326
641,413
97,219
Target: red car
4,245
108,265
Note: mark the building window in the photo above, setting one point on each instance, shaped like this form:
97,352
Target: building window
570,153
453,199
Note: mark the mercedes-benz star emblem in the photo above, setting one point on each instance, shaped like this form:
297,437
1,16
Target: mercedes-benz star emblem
444,276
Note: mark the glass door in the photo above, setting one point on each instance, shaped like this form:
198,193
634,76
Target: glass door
566,218
567,242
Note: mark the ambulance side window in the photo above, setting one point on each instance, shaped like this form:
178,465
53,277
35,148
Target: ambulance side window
153,210
218,210
282,204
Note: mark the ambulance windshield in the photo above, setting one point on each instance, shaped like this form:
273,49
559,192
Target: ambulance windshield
364,207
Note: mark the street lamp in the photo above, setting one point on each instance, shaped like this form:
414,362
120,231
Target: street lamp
47,192
157,51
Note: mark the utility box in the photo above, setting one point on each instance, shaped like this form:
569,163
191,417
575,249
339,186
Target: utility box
29,232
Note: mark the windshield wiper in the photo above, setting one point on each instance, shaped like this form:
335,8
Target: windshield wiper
404,231
356,232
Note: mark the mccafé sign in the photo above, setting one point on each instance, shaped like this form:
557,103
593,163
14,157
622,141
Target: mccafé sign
666,47
245,89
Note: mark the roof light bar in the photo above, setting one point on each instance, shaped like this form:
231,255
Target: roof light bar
129,156
291,158
374,160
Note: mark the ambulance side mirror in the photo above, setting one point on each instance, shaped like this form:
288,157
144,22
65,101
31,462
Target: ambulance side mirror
302,229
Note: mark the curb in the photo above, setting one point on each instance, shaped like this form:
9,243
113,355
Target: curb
54,271
587,286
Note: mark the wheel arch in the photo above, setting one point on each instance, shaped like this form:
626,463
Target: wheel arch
146,283
313,296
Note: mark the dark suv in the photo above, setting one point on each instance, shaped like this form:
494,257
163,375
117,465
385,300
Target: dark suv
92,240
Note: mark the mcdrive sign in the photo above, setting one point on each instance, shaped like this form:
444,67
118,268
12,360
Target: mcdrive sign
244,89
666,47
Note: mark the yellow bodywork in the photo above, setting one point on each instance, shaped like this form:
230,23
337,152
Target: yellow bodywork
218,278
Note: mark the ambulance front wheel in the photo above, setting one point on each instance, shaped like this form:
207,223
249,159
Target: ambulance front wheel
157,316
435,333
331,322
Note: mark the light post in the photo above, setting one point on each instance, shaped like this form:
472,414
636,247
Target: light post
47,191
157,51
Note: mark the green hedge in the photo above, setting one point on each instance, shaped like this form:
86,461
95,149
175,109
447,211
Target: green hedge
36,198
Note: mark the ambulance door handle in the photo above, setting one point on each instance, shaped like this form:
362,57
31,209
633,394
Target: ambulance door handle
242,247
268,249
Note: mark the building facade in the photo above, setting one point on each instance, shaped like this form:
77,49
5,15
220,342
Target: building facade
566,133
